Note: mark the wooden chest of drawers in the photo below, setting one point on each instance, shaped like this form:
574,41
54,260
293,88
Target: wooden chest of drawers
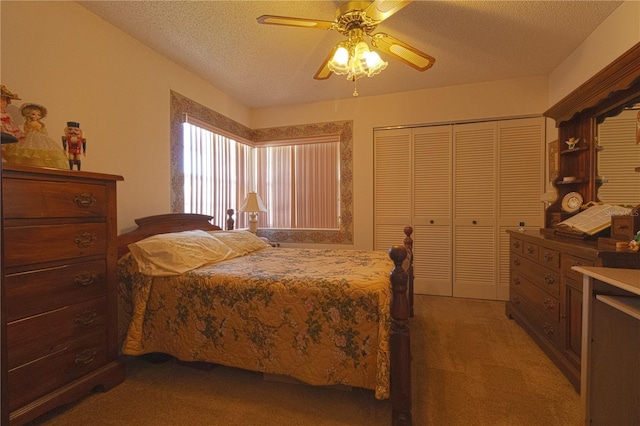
59,231
545,294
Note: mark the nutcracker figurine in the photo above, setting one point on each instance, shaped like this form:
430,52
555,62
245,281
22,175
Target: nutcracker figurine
74,144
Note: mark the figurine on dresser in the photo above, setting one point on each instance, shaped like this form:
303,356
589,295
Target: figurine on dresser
37,148
6,121
74,144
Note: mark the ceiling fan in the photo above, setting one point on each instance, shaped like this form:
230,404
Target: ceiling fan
357,20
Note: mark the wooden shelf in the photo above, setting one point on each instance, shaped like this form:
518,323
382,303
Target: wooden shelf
627,304
574,150
573,182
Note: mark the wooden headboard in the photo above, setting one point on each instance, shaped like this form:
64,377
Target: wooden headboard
163,224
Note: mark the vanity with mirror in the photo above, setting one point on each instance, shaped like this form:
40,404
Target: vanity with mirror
597,162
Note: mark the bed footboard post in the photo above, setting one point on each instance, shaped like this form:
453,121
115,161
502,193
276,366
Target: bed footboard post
399,341
408,244
230,221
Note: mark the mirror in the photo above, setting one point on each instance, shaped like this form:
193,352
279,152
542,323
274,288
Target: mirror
618,155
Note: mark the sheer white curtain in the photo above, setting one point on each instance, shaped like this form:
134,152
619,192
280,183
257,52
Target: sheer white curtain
217,172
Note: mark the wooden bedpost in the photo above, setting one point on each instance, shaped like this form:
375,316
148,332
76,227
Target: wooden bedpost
399,341
230,221
408,244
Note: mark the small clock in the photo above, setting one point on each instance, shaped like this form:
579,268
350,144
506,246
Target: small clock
572,202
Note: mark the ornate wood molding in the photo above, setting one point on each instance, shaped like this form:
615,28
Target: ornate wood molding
620,75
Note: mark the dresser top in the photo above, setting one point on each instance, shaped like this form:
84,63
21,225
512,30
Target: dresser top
6,167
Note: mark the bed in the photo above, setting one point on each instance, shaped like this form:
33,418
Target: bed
324,317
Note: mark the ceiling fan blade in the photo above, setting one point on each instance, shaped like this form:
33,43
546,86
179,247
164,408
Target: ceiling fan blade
295,22
380,10
402,51
324,72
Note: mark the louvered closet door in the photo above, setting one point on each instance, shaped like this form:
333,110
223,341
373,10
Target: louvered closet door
392,186
432,152
474,232
520,184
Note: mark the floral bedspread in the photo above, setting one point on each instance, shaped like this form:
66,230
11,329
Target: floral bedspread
320,316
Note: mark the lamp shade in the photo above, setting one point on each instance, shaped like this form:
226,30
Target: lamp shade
253,204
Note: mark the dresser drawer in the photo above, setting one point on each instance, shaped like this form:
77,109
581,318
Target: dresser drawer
41,335
624,227
530,250
546,279
29,293
35,379
34,244
24,199
549,258
540,300
516,245
569,260
540,323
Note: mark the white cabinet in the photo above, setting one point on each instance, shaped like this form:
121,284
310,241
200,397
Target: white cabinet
460,186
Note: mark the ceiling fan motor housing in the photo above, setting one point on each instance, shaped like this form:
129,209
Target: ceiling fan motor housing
351,15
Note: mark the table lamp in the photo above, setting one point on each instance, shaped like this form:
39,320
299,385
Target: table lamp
252,205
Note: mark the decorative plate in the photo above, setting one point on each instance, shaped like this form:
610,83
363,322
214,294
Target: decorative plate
572,202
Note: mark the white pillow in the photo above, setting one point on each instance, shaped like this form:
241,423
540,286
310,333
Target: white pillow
178,252
240,241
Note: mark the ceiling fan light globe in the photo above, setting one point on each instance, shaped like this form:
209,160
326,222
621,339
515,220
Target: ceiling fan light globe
339,64
374,64
357,68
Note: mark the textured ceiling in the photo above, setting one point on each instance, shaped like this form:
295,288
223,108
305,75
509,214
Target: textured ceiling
267,65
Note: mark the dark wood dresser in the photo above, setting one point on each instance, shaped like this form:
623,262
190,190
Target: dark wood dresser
60,253
545,294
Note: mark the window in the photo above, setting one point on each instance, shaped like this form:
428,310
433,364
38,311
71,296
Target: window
217,171
298,181
300,184
264,140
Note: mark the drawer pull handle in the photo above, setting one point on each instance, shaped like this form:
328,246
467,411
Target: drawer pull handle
531,250
516,244
87,317
516,300
548,303
516,281
548,329
548,257
84,200
85,239
84,279
516,262
548,278
622,226
87,356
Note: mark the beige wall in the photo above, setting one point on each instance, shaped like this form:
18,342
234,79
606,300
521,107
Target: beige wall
82,69
617,34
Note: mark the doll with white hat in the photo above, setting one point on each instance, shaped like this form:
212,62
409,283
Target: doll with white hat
37,148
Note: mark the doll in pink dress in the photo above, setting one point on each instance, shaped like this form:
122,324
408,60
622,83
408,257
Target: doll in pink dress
37,148
6,121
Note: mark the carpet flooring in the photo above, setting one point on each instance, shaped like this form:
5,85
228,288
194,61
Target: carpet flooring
471,366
